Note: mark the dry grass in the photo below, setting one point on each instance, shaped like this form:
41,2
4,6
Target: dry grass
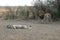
38,31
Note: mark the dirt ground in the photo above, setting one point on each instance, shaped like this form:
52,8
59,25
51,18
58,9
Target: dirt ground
38,31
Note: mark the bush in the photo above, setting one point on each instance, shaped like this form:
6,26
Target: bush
9,15
24,14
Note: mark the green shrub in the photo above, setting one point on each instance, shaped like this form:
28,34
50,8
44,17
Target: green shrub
9,15
24,14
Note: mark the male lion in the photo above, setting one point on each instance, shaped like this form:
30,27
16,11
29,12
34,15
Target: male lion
41,15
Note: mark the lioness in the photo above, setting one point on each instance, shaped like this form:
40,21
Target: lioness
19,26
47,18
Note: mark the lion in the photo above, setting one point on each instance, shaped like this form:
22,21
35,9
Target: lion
47,18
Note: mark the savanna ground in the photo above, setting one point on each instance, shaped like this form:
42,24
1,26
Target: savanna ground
38,31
